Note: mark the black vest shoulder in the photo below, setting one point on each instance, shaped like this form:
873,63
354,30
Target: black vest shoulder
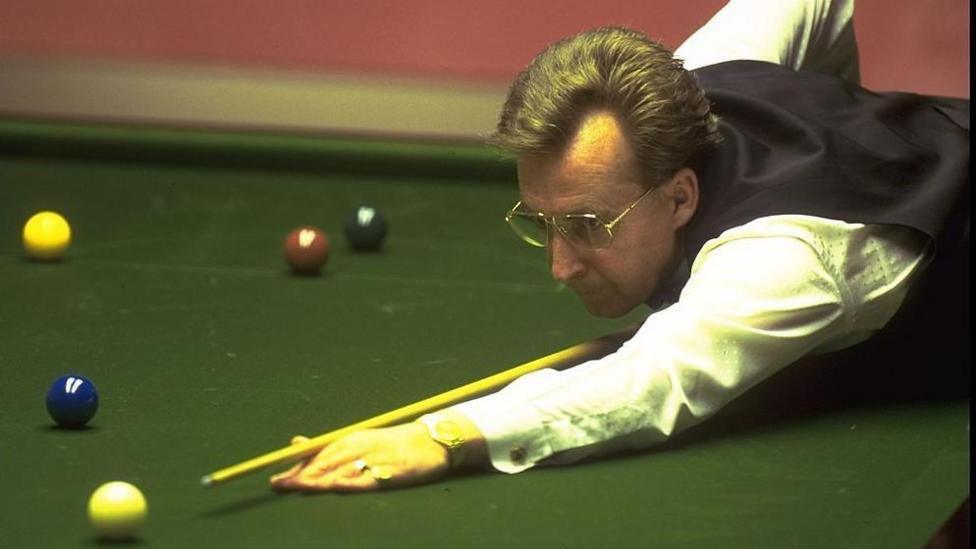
810,143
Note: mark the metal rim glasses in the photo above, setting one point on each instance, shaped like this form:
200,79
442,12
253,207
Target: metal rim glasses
584,230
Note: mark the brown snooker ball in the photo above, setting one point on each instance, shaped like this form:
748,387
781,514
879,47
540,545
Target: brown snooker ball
306,250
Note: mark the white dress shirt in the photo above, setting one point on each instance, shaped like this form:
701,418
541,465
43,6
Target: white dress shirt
800,34
759,297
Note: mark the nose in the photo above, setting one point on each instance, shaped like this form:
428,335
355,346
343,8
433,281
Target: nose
564,260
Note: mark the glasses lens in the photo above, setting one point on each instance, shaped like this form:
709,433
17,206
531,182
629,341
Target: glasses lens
530,227
586,230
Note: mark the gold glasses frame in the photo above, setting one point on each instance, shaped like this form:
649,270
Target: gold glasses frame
584,230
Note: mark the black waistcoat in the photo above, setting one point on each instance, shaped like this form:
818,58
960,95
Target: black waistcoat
810,143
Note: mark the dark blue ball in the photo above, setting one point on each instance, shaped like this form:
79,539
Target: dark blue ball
72,401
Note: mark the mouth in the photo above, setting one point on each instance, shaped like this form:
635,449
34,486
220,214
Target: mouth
584,292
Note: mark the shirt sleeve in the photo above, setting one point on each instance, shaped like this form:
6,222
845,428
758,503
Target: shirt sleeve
759,298
799,34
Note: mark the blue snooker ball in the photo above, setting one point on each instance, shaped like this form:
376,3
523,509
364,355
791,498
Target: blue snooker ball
72,401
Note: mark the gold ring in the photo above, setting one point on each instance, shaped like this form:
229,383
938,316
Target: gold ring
381,475
362,466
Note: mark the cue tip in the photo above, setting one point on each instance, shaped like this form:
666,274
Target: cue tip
206,481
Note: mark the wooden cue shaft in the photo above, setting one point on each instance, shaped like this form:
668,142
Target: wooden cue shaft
561,359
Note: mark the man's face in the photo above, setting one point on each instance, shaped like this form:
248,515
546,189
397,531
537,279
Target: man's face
598,173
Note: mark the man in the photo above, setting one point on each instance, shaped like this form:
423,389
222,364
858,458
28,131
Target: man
766,213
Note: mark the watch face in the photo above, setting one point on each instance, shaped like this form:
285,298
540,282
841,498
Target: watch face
449,432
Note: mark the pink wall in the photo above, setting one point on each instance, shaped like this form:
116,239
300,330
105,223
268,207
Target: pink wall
917,45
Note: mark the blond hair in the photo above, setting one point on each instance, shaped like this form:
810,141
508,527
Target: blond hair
660,104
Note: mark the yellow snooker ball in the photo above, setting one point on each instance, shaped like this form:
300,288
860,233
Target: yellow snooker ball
117,510
46,235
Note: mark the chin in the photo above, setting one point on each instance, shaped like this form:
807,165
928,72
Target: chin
607,309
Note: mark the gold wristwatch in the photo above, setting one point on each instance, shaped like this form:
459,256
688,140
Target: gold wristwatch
446,432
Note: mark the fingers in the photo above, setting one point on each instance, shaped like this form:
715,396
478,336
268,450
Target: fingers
278,481
347,476
368,460
351,476
365,480
343,466
333,468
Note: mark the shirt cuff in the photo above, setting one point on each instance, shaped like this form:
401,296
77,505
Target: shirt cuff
515,436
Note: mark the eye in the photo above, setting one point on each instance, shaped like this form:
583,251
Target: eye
592,223
582,228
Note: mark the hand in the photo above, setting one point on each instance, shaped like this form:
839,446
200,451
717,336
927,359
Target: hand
369,460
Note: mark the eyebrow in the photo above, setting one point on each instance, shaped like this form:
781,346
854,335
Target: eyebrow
589,209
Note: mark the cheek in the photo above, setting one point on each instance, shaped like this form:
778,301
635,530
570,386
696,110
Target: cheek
623,269
645,257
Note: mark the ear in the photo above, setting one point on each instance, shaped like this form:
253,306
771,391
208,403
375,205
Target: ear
683,194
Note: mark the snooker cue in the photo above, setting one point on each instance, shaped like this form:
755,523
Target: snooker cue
558,360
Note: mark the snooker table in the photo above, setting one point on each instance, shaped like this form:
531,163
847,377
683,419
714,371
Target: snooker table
175,300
